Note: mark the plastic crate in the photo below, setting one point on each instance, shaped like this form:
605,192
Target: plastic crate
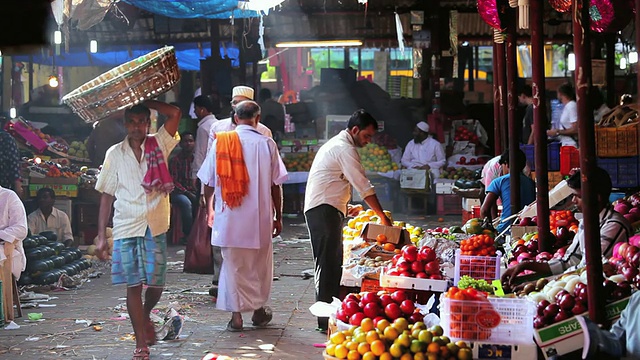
569,159
478,267
462,320
449,204
624,172
618,142
553,156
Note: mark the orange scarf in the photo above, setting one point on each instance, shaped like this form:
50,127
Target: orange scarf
231,169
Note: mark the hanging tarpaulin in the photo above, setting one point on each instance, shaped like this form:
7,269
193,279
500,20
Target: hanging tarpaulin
57,9
91,12
453,39
189,9
262,6
399,33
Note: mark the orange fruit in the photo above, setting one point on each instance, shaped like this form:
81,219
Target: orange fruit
389,247
341,351
378,347
368,356
364,348
433,348
381,238
372,336
353,355
366,325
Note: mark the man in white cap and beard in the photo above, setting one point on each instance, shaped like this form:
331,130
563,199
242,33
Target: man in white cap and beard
239,94
424,152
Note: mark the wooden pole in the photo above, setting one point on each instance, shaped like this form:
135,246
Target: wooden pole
610,68
540,124
502,89
512,102
586,136
637,47
497,133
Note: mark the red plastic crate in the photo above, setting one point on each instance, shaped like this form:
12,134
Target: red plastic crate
569,159
449,204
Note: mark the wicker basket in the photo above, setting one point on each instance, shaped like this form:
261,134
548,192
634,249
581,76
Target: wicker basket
126,85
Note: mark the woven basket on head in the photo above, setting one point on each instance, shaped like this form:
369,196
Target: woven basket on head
126,85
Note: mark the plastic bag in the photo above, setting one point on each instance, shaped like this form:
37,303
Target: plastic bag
198,258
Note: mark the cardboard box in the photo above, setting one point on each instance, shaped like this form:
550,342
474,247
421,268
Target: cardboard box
395,234
372,251
403,282
54,180
567,336
370,285
517,232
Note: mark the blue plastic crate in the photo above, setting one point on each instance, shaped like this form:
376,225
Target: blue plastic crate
553,156
624,172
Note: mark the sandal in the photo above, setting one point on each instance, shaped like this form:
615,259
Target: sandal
141,354
150,334
262,316
232,328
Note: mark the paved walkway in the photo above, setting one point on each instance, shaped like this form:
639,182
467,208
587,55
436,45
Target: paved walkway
290,335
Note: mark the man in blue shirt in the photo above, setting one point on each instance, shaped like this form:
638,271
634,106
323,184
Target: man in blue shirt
501,188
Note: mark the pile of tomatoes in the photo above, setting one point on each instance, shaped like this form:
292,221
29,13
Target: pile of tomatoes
563,218
478,245
468,314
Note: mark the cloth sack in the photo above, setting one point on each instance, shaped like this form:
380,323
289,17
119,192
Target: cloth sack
157,177
198,258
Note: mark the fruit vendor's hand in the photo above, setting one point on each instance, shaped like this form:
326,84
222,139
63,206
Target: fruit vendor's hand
385,221
353,210
424,167
102,247
277,227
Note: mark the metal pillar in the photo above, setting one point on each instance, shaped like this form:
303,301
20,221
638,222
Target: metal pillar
539,124
502,93
497,135
512,102
610,68
586,134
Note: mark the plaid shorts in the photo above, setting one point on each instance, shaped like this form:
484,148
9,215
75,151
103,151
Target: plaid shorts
140,260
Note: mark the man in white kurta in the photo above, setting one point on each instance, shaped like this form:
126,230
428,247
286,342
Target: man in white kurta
424,152
13,229
244,232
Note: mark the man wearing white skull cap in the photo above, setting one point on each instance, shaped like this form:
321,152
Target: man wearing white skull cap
424,152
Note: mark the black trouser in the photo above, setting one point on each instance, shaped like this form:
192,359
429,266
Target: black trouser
325,230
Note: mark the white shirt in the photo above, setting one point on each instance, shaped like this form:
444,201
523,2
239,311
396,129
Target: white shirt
13,228
58,222
192,108
567,118
202,143
428,152
228,125
250,225
335,168
122,176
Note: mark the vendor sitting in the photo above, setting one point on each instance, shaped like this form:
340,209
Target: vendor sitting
614,228
500,188
424,152
48,218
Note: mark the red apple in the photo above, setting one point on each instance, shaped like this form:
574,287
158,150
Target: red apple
435,277
426,254
403,265
422,275
628,271
385,300
377,319
551,311
371,310
407,273
629,252
635,260
560,294
539,322
370,297
409,253
622,249
356,318
392,311
541,306
351,307
407,307
432,267
567,302
395,259
561,316
341,315
579,308
417,266
415,317
399,296
351,297
393,272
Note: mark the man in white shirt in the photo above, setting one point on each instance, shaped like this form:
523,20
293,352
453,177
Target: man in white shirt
48,218
203,107
335,169
240,94
13,229
424,152
247,269
141,217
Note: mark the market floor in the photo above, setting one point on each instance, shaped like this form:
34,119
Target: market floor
291,334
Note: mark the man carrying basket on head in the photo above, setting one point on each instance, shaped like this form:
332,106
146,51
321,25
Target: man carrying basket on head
135,176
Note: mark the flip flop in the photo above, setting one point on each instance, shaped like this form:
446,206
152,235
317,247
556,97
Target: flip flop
262,316
231,328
